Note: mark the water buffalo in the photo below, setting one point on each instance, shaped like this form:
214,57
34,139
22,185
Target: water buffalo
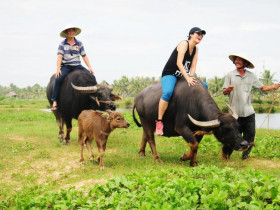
191,113
98,126
79,91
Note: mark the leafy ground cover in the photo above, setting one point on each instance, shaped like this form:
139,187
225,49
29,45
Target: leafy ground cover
36,171
204,187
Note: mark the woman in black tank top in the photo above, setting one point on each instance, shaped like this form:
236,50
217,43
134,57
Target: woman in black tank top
182,63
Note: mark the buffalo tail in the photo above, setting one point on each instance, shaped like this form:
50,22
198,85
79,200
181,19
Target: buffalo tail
134,118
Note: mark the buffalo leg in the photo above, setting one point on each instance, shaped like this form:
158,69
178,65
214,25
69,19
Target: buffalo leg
186,133
88,144
152,143
143,145
191,154
81,144
68,131
61,132
101,151
148,136
60,123
226,152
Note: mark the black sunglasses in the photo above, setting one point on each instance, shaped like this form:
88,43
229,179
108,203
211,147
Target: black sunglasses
199,33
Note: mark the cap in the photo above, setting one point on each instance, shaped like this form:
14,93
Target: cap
196,29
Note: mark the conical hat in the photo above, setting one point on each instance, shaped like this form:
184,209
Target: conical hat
244,56
64,34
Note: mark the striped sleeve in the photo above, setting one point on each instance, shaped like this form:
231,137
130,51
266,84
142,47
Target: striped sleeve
60,49
82,49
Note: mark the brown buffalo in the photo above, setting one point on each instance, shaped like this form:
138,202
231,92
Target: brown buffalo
98,126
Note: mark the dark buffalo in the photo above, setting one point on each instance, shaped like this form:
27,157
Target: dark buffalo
79,91
191,114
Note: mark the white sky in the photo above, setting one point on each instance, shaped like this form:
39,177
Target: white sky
135,38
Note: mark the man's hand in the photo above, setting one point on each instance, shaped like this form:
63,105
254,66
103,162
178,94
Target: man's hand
276,86
58,72
90,70
227,90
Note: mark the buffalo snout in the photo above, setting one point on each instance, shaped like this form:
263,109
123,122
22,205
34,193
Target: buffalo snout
112,106
244,145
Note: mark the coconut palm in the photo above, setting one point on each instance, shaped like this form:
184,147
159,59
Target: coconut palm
267,77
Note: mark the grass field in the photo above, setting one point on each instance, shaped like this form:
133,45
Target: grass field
34,162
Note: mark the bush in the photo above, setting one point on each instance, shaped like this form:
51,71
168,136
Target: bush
260,109
128,103
257,101
2,98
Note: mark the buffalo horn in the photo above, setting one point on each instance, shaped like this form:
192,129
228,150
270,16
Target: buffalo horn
95,99
109,86
89,89
234,114
206,124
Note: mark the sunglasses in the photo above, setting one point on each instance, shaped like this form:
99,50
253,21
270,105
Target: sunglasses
199,33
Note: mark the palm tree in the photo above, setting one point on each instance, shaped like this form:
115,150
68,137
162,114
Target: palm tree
267,77
215,86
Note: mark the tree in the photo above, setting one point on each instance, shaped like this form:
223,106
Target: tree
215,85
267,77
121,86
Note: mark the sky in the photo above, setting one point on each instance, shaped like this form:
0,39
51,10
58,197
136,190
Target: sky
135,38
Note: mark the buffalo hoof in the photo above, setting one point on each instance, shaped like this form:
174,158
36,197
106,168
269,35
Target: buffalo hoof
142,156
66,142
182,159
225,157
193,164
82,162
158,160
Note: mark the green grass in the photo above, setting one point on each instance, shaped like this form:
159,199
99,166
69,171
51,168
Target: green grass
24,103
33,162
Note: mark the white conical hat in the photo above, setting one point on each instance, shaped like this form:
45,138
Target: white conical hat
243,56
64,34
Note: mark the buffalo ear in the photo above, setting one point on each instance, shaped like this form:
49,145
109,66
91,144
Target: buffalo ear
111,114
115,97
106,116
202,133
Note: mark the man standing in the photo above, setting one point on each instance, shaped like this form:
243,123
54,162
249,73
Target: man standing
238,85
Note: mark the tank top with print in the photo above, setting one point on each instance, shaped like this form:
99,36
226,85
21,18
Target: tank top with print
171,67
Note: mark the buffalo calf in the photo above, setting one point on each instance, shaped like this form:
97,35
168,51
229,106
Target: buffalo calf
98,126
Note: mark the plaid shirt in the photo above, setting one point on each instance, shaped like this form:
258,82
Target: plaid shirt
71,54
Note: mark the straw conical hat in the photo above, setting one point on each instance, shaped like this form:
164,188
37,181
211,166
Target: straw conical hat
64,34
243,56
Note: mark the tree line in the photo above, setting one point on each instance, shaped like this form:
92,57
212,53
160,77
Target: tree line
30,92
129,87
